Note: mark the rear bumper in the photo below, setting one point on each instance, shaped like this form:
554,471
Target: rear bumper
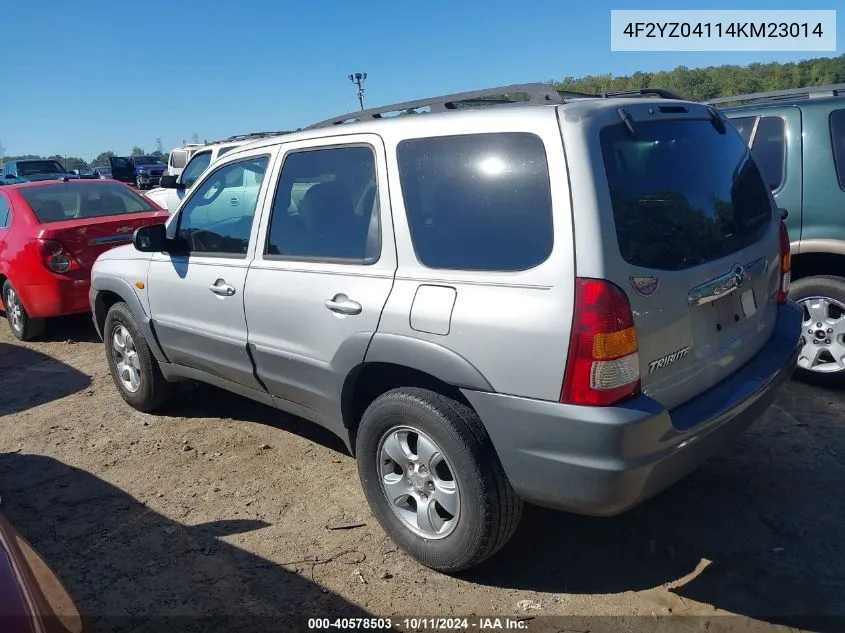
604,460
60,297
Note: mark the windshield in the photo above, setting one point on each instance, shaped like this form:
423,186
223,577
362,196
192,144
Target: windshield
83,199
682,193
146,160
32,167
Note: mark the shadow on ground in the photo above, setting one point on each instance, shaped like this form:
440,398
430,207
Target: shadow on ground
76,327
30,378
198,400
129,568
757,532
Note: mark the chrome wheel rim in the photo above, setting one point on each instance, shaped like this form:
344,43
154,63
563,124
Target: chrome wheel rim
822,335
14,309
126,361
418,482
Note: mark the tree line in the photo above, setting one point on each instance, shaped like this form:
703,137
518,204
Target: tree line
701,84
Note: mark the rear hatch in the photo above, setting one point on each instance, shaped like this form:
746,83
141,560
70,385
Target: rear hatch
699,243
89,217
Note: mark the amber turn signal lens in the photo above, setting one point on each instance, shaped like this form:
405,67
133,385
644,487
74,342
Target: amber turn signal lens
139,285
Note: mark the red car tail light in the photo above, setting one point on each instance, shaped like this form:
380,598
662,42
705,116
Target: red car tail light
603,365
55,256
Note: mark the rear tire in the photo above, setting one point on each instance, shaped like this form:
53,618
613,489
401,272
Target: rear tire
134,369
822,300
23,327
469,509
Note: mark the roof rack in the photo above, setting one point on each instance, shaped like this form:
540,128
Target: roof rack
643,92
810,92
252,135
535,93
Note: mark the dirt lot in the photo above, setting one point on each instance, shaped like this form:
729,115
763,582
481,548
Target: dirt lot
221,507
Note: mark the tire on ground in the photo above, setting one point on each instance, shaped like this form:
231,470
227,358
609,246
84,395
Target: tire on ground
830,287
154,391
30,329
490,510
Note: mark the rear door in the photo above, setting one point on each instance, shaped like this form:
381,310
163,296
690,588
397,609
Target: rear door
122,169
698,239
319,282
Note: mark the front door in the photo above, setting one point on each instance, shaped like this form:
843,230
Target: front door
317,287
122,169
197,296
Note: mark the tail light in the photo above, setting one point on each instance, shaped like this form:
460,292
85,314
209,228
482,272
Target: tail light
603,365
55,257
785,264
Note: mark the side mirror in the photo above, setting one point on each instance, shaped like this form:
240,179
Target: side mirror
150,239
170,182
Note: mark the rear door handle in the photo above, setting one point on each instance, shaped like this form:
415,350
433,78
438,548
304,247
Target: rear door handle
341,304
220,287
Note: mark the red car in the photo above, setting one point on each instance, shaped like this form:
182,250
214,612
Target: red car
51,232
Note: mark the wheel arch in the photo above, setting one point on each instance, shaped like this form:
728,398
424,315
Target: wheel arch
394,361
111,290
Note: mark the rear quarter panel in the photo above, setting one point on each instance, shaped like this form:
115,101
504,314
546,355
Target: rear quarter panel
512,327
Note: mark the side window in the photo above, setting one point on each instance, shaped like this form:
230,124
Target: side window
837,137
217,219
326,206
199,163
4,212
769,150
478,201
745,126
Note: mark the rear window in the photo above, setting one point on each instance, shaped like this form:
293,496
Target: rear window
33,167
80,200
745,126
178,159
682,193
769,150
478,201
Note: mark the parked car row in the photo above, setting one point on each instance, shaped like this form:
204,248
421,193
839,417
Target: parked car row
478,330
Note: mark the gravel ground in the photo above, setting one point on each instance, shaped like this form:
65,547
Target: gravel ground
222,507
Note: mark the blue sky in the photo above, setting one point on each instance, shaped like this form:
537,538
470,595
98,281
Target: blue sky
81,78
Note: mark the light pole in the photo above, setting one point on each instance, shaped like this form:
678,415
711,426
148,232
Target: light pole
358,80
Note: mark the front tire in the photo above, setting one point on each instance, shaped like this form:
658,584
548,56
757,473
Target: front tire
433,480
822,301
134,369
23,326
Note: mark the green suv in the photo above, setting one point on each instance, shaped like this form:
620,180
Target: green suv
797,138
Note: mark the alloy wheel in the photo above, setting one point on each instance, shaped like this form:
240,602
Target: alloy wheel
823,335
126,360
14,309
418,482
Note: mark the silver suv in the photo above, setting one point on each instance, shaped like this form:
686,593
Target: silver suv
522,295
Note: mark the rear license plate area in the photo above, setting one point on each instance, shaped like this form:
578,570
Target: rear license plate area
733,309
